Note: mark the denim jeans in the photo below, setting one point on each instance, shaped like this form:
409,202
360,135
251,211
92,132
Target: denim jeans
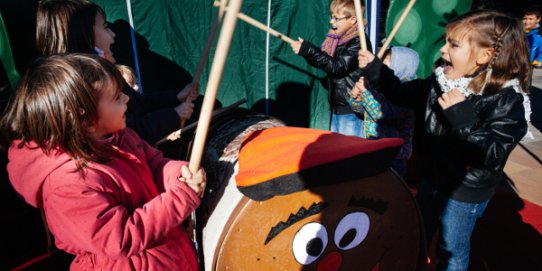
346,124
456,221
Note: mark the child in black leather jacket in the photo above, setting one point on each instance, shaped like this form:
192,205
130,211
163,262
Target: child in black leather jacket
474,117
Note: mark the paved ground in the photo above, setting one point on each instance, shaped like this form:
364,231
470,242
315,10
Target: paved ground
524,167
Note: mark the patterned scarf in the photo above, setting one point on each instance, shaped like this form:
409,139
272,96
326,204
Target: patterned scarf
447,85
462,84
333,40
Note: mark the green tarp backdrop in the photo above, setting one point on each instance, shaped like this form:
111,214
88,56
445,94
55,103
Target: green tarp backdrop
423,27
171,35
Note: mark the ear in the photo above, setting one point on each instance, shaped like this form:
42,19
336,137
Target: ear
353,20
484,55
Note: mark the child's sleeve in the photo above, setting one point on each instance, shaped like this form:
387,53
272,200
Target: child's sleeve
412,94
367,104
91,214
339,65
166,172
537,48
376,106
487,142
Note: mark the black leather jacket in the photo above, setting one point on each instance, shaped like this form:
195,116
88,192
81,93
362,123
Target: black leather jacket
465,147
342,70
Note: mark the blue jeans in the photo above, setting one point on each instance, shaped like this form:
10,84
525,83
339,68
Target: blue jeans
456,221
346,124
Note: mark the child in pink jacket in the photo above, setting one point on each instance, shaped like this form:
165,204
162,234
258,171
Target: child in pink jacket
109,198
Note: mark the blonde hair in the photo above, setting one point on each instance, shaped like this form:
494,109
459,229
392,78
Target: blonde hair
510,59
56,101
345,7
128,74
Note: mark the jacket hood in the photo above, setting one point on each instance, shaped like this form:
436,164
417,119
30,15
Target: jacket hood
404,63
29,166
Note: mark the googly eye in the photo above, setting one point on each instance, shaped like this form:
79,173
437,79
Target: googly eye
309,243
352,230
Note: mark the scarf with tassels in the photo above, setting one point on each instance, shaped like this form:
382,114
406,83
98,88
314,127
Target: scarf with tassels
333,40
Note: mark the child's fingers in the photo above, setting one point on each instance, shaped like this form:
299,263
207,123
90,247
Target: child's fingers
195,87
296,45
200,176
361,81
442,102
450,98
200,180
456,94
185,172
197,182
187,108
195,90
355,91
364,58
360,84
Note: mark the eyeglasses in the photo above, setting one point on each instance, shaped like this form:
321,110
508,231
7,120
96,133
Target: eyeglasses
338,19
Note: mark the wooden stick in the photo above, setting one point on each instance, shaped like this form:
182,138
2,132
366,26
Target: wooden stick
261,26
194,166
197,77
223,46
177,134
395,28
361,27
210,39
222,7
207,49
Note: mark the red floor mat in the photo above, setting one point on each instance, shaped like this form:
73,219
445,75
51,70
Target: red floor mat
508,236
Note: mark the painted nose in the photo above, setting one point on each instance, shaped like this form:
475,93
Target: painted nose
331,262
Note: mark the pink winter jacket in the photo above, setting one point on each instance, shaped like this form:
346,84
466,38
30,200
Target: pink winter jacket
122,215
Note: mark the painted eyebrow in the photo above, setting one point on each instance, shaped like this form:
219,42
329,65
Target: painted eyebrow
303,213
379,206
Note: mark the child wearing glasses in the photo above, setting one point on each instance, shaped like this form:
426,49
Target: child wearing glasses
338,58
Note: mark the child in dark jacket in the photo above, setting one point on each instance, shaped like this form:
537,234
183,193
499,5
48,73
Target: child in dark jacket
474,117
79,26
109,197
382,118
338,58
